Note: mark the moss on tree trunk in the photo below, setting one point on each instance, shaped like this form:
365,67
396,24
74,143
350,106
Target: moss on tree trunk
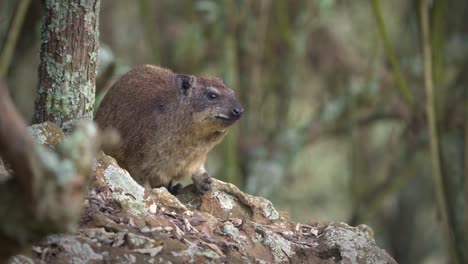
67,71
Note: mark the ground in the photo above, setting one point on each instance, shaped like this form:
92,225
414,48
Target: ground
124,223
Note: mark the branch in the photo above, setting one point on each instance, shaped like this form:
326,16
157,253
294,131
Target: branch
440,190
15,143
10,42
402,85
46,190
466,169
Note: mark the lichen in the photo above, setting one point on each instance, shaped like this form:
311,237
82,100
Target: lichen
226,201
281,248
90,22
195,251
269,211
61,101
91,17
93,56
64,170
124,189
68,58
266,207
73,147
60,10
355,244
79,252
233,232
72,156
39,134
257,238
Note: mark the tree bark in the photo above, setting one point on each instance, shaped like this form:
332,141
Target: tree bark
67,71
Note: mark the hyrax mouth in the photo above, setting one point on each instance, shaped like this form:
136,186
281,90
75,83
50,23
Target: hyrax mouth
224,117
233,115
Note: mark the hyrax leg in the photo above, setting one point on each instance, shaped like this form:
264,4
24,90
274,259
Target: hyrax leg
202,182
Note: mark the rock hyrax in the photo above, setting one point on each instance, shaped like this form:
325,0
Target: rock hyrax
168,123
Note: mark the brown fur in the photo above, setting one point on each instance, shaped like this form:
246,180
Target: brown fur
167,129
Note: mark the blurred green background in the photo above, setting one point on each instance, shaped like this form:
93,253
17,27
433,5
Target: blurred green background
335,127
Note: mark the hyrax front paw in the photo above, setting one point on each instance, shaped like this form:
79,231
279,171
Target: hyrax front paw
174,189
202,182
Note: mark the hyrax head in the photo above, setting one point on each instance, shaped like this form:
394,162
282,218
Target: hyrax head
213,106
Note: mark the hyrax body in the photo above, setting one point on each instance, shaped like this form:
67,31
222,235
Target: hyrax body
168,123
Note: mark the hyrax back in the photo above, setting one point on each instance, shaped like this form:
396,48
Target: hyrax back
168,123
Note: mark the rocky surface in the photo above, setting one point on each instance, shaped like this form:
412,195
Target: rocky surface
124,223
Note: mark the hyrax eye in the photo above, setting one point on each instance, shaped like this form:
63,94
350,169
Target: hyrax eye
212,96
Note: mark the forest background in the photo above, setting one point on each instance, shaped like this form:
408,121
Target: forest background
338,120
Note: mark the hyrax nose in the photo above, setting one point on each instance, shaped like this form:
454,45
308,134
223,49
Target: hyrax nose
237,112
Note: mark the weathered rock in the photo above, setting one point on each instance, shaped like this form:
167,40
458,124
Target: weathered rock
124,223
47,134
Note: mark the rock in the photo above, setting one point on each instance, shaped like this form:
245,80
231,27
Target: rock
47,134
125,223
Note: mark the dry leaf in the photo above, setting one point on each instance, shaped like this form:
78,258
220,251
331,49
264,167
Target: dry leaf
150,251
215,248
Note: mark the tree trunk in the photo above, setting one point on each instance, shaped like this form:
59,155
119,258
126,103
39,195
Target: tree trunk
67,71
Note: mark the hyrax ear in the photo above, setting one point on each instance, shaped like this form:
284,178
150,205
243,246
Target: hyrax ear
184,83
